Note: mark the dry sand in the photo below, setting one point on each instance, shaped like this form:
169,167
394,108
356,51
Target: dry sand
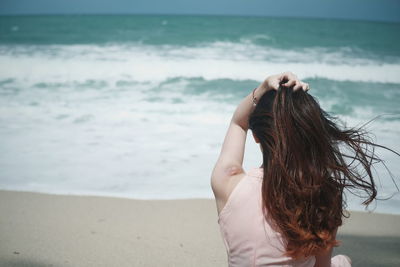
52,230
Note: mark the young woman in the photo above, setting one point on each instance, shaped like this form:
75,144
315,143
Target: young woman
287,212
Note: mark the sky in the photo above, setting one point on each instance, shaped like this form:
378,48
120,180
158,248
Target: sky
376,10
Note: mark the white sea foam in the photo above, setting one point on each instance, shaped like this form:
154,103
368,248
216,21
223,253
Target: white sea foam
211,61
102,120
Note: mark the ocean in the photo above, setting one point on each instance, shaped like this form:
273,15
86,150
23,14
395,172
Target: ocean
137,106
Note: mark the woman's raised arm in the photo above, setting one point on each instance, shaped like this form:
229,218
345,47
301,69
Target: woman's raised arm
230,159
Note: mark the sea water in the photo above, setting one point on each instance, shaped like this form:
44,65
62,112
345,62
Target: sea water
138,106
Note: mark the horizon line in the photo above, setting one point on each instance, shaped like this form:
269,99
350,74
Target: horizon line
201,15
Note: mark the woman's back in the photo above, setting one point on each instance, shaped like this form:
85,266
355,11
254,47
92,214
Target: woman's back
250,239
309,159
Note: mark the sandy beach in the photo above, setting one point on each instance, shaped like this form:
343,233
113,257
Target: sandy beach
54,230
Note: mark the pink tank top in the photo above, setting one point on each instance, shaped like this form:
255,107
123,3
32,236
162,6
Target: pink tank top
249,239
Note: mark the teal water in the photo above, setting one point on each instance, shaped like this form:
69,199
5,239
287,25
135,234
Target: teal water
379,39
137,106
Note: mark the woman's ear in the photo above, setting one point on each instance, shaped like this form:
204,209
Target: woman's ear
255,138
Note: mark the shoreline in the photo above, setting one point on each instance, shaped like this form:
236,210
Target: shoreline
39,229
111,196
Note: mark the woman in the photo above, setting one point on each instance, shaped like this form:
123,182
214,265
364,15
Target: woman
287,212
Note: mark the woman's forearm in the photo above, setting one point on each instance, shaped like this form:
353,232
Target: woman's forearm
246,106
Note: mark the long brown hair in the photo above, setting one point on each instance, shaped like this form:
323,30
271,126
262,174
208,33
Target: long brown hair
308,161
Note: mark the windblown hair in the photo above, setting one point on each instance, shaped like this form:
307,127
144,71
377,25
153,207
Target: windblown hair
308,161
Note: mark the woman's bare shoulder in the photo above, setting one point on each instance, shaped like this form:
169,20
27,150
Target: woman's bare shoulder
224,185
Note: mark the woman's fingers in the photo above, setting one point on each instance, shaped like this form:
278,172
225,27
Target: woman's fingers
297,86
272,82
291,79
290,83
289,75
306,87
301,85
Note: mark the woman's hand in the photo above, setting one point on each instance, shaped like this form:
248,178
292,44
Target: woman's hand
289,79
